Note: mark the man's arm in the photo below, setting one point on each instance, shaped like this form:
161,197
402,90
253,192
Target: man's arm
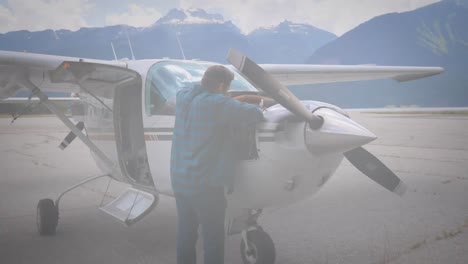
243,114
256,100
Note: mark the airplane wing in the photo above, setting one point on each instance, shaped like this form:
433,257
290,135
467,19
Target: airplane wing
97,80
297,74
410,110
38,68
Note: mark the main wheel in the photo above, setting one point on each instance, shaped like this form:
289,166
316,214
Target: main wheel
261,248
47,217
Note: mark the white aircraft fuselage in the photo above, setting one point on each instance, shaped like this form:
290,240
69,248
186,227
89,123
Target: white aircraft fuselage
291,160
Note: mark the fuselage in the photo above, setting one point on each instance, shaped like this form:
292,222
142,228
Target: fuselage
286,161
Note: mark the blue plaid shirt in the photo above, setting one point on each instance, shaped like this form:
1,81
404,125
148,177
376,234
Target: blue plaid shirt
202,154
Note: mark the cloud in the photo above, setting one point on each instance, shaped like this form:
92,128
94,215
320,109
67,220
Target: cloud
136,15
43,14
6,17
337,16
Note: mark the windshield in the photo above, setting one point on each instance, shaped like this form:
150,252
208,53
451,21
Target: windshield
166,78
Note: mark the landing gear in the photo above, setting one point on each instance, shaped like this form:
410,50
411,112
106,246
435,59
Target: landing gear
259,248
47,217
48,211
256,247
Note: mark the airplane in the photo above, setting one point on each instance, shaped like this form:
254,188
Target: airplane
127,123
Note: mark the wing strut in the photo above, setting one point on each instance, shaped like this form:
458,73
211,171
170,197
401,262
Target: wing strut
54,109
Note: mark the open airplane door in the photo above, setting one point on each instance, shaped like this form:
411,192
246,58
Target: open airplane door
112,121
111,97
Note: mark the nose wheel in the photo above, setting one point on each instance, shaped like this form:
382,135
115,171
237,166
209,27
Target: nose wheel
260,248
47,217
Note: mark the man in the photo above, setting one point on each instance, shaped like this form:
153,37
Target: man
202,161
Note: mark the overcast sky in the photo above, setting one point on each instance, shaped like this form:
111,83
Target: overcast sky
337,16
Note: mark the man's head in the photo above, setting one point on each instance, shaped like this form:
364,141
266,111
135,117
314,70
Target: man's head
217,79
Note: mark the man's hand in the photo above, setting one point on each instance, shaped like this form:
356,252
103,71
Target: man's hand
261,101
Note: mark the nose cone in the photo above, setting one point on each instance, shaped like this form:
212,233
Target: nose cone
338,134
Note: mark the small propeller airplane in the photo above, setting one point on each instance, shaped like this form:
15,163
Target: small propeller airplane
128,119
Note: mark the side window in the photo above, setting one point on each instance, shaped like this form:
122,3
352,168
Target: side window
149,86
160,92
166,78
156,100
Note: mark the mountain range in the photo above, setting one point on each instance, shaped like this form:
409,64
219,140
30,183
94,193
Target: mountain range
201,35
434,35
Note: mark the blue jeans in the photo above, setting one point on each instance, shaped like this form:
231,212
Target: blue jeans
206,209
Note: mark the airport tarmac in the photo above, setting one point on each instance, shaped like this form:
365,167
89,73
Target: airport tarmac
351,220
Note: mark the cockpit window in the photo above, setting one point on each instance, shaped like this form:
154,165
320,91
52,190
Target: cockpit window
166,78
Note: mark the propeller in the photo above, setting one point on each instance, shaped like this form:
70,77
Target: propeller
373,168
260,78
363,160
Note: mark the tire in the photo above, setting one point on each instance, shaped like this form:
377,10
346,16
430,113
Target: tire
261,246
47,217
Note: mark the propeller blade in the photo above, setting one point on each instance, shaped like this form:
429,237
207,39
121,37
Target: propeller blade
373,168
260,78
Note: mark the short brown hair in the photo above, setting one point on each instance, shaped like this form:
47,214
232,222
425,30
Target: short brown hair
215,75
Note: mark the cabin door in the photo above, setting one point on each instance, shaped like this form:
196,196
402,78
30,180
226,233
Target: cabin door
130,134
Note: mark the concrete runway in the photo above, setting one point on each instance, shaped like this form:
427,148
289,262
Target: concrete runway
351,220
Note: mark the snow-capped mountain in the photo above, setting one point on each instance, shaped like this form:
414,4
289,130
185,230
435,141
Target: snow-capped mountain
288,27
293,40
179,16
